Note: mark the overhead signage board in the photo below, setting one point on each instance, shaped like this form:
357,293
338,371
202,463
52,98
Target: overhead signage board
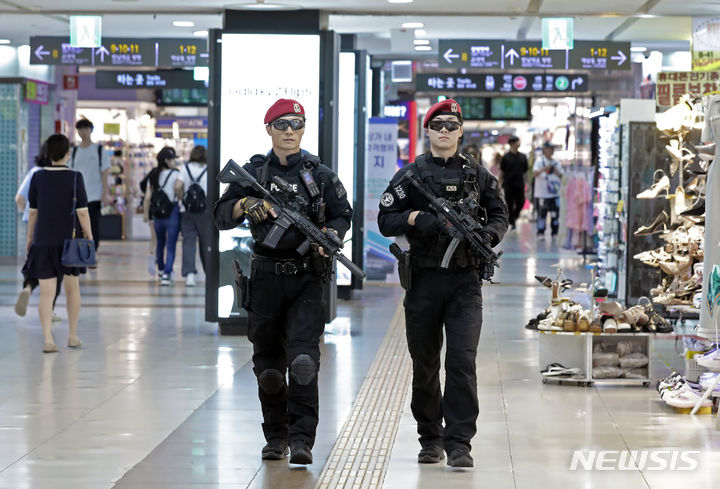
56,50
502,83
485,54
558,33
147,79
672,85
706,43
85,31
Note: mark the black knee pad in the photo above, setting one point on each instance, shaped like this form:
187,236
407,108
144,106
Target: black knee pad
303,369
271,381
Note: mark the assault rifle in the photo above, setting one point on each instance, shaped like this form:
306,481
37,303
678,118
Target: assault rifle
459,224
287,216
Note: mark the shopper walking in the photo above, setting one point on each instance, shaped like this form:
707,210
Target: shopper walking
195,222
161,203
286,290
513,166
53,193
440,297
21,200
547,175
93,163
147,218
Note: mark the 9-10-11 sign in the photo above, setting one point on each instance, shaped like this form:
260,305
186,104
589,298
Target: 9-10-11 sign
177,53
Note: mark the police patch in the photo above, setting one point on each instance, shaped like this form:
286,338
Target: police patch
387,199
400,192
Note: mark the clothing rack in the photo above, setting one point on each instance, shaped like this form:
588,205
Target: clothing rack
586,172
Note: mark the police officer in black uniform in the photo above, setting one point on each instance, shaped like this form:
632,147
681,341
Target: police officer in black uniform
286,313
436,296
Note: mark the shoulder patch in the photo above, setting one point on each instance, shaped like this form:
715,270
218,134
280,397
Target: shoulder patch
340,190
387,199
493,183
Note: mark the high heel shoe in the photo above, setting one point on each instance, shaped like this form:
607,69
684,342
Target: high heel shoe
679,204
660,220
676,267
697,167
661,182
697,209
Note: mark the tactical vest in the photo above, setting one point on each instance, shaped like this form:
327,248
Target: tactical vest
454,189
309,190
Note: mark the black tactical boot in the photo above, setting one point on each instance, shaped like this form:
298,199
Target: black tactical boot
275,449
460,458
300,453
431,454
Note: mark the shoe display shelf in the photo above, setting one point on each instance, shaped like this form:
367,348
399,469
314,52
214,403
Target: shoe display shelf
610,217
575,350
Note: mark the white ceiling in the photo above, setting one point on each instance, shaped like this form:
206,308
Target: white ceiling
373,19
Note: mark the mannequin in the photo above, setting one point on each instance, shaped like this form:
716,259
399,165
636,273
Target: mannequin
711,133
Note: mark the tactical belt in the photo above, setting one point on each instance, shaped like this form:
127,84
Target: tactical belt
455,263
280,266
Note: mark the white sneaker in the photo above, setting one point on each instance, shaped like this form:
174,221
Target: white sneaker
166,280
686,398
190,280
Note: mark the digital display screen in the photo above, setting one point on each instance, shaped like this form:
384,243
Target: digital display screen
473,108
509,108
197,97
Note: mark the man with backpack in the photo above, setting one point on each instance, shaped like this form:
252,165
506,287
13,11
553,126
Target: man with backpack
194,217
94,164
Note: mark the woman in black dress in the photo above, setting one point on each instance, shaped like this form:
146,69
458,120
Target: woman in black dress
50,223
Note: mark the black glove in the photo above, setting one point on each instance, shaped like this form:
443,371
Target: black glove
256,209
486,237
428,224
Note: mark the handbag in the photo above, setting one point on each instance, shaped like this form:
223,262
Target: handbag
77,252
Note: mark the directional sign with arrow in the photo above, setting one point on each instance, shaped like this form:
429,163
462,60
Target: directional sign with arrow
512,54
40,52
620,58
449,56
56,50
484,53
102,52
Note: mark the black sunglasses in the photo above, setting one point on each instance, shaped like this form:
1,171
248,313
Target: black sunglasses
282,124
449,125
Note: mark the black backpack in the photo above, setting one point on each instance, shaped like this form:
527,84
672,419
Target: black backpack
194,198
160,204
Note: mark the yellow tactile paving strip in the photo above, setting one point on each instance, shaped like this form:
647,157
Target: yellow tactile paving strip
361,454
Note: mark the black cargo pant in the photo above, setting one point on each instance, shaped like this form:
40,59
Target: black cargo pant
515,198
286,320
454,300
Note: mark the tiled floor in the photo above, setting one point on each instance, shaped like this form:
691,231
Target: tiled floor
156,399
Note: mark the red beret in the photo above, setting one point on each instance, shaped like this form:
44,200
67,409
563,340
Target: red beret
284,106
447,106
